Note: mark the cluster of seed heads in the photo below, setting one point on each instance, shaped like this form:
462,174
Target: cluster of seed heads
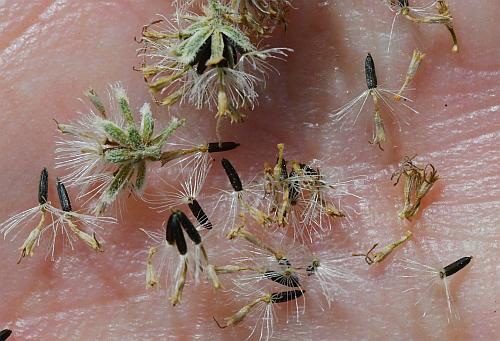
211,59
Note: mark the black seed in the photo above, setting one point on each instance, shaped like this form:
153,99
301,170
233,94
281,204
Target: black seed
456,266
200,214
230,54
371,76
180,241
286,296
233,177
4,334
63,196
215,147
43,187
172,225
188,227
289,281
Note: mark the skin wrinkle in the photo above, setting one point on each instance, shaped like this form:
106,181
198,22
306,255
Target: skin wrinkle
79,298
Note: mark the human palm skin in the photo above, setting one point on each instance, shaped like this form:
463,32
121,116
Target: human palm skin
52,51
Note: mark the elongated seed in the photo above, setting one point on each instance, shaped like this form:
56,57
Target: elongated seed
371,76
4,334
200,214
63,196
188,227
456,266
215,147
43,187
232,175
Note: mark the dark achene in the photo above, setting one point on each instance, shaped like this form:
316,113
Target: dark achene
215,147
200,214
455,267
43,187
188,227
232,175
180,241
63,196
4,334
371,76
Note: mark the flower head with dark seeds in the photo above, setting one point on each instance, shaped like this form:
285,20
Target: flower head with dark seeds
205,60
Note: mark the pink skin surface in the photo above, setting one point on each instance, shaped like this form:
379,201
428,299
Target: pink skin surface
51,51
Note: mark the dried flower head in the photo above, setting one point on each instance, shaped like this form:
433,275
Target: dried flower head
205,60
301,198
417,182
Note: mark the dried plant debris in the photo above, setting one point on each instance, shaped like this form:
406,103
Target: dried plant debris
260,270
261,16
425,277
299,199
109,155
206,61
417,182
435,12
379,256
352,110
412,71
67,223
